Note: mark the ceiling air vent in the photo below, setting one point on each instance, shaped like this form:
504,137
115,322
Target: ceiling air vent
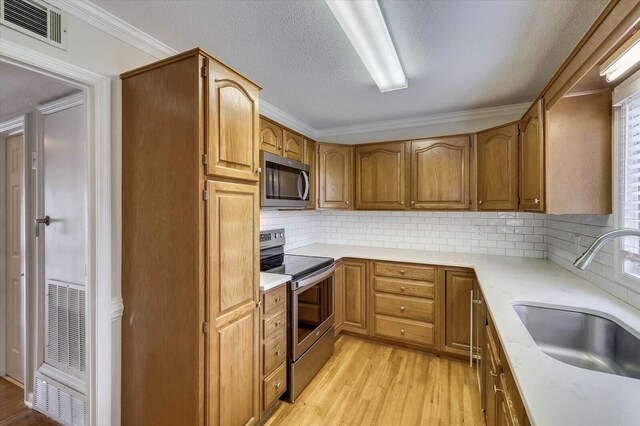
37,19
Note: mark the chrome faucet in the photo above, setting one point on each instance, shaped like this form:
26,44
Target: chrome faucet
583,261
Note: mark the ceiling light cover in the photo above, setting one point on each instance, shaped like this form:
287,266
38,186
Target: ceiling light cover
626,57
364,25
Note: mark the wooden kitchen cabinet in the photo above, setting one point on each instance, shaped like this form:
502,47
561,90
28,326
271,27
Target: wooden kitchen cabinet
457,287
273,370
310,159
440,173
189,309
293,146
271,136
532,188
339,297
335,176
497,168
232,123
355,296
380,176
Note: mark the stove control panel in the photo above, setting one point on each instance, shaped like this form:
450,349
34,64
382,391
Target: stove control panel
271,238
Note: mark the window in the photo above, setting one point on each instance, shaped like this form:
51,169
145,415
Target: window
627,135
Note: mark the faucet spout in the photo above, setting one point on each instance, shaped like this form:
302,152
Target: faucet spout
587,257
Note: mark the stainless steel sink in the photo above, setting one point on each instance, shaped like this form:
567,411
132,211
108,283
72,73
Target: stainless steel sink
583,340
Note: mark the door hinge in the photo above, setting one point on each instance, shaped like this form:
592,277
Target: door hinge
205,71
205,327
205,159
34,160
205,195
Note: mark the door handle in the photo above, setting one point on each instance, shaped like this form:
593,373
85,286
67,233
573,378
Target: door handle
46,220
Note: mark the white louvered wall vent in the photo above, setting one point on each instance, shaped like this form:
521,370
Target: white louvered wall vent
65,328
59,402
37,19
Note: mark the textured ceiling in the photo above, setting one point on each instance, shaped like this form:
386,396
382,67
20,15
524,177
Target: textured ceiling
22,90
457,55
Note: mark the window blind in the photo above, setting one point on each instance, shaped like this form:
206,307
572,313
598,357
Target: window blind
630,171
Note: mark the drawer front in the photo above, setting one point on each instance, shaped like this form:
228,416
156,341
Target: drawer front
404,287
274,385
274,325
404,307
275,300
275,353
403,270
405,330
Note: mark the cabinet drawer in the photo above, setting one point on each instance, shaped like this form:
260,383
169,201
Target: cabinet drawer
405,330
404,287
275,353
274,325
404,307
403,270
274,385
275,300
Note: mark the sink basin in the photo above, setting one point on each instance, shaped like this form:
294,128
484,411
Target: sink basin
583,340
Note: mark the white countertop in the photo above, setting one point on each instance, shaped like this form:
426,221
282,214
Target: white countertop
553,392
269,281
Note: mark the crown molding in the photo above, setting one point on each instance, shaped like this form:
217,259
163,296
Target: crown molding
111,24
61,104
12,126
428,120
287,120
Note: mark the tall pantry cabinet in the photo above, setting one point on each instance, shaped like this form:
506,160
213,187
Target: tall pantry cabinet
190,265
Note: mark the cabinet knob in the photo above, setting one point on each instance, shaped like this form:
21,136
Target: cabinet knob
347,202
402,203
259,170
278,385
480,202
402,331
403,288
402,308
286,150
280,147
278,323
413,202
402,271
278,352
537,201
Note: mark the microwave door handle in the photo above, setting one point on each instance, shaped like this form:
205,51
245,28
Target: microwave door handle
307,186
300,185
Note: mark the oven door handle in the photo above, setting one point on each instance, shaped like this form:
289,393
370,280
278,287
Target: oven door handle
315,278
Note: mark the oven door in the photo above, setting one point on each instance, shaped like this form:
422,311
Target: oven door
312,311
285,183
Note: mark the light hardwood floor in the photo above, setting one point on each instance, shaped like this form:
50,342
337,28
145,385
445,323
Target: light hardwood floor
368,383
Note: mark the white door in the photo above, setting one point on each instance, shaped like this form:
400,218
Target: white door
14,289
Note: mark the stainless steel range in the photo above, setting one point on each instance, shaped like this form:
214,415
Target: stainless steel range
310,308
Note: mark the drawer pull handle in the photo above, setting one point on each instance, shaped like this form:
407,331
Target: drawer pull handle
278,323
403,288
278,385
496,389
277,300
402,331
278,352
402,308
493,374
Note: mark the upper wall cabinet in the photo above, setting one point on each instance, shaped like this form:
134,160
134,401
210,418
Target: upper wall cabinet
532,159
310,157
270,137
293,146
233,120
497,166
334,175
440,173
380,176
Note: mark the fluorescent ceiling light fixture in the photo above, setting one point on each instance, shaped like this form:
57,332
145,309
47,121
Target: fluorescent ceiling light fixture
364,25
625,58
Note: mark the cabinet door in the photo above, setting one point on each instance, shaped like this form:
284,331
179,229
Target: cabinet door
532,160
233,125
458,287
440,174
380,176
355,296
232,255
339,297
490,376
293,146
310,151
498,169
270,137
334,169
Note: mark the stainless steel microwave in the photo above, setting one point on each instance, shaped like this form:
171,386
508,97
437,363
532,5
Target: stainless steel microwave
284,183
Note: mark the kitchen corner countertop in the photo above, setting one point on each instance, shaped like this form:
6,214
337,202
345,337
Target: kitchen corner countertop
554,393
270,281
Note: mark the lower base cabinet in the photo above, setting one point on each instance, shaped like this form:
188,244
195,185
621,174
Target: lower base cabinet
339,297
355,296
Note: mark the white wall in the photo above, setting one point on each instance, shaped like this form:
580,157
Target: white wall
97,51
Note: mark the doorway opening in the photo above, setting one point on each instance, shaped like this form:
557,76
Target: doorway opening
45,244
